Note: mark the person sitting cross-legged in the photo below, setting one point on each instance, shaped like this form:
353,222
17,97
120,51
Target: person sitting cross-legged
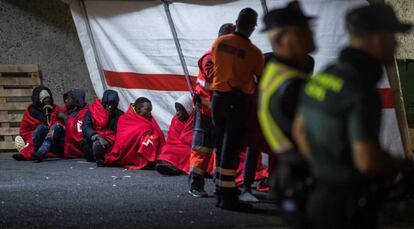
40,131
138,138
99,127
174,158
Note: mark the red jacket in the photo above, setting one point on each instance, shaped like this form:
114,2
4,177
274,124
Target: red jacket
204,81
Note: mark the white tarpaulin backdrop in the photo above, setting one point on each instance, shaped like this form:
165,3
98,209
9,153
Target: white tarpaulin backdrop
135,47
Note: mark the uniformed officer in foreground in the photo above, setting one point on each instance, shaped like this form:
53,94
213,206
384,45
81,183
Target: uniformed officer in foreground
339,122
280,88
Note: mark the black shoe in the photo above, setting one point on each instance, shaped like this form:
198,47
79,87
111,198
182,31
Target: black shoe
196,183
37,158
100,163
198,193
165,168
18,157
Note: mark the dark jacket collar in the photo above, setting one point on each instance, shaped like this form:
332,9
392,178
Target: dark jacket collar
241,35
289,63
362,62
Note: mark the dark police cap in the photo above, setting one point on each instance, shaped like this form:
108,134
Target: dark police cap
291,15
374,18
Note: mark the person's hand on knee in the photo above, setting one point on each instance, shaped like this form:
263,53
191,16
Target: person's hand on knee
101,140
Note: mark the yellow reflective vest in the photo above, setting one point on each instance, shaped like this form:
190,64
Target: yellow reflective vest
274,76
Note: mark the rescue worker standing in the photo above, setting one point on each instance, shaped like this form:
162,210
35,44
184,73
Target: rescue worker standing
279,92
236,62
202,145
338,125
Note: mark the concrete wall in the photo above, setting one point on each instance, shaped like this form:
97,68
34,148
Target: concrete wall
405,11
42,32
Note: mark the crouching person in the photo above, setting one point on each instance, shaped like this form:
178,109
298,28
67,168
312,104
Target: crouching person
76,108
174,158
138,138
99,127
40,131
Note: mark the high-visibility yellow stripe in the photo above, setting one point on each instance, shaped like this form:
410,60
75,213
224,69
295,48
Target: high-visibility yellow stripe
227,172
197,170
226,184
274,76
202,149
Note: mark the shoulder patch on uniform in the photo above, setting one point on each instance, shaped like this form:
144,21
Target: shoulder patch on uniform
322,82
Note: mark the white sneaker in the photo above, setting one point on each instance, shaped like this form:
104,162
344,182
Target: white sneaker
248,197
19,143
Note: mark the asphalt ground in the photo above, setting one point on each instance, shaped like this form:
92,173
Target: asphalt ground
76,194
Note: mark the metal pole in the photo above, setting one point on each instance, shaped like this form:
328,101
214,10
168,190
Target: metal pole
97,59
264,7
178,45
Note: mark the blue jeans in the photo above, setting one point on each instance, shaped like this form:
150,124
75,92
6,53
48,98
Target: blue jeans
51,142
39,135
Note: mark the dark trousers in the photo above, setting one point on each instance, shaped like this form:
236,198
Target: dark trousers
230,111
93,151
350,206
250,165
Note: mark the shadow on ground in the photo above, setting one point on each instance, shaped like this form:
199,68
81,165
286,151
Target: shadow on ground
75,193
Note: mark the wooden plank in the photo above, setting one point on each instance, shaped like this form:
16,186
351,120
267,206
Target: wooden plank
8,138
16,92
9,131
9,81
11,118
412,139
19,68
394,80
7,145
13,106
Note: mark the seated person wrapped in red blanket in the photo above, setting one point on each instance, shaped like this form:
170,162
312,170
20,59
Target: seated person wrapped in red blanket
76,108
99,127
40,131
138,138
174,158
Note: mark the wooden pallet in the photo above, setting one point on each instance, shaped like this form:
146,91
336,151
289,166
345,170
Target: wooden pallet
16,85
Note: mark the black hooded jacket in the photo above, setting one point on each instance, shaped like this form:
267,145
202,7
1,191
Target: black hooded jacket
36,110
79,96
109,97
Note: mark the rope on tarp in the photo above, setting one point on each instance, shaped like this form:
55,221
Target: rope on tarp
178,45
264,7
95,50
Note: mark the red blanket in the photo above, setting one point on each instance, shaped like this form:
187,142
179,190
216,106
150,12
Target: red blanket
138,141
74,135
177,150
27,127
100,119
261,172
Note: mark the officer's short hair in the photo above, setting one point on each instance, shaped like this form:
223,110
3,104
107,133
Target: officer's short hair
247,18
226,28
